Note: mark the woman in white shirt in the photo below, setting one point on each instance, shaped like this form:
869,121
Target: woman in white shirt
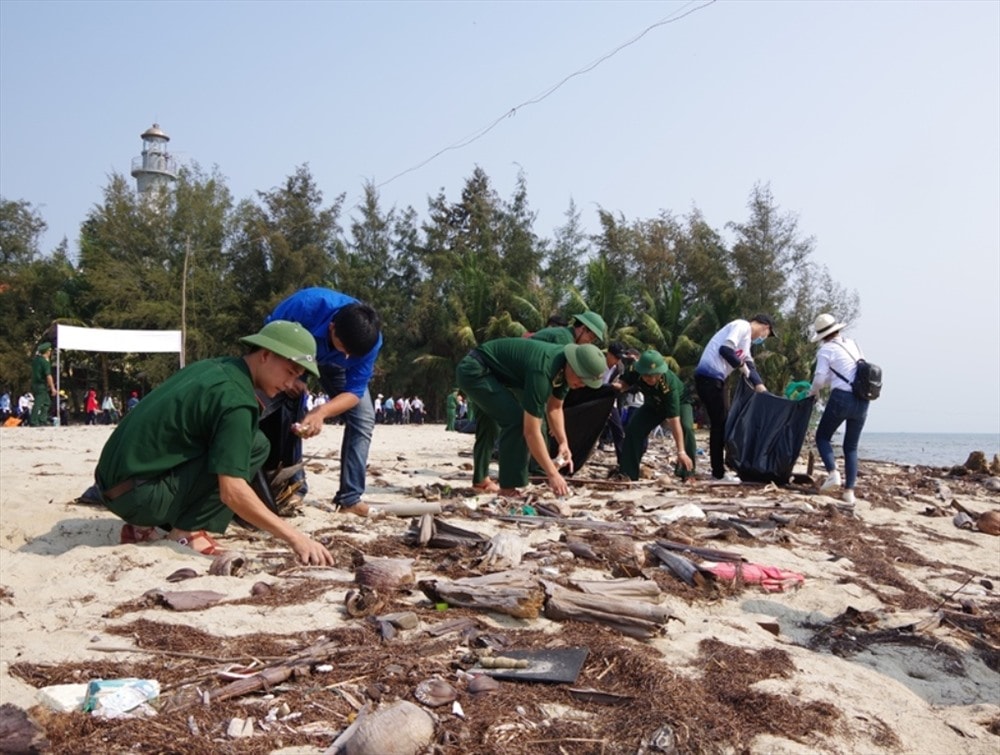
836,365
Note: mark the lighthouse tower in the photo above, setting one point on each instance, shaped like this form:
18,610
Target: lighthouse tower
154,169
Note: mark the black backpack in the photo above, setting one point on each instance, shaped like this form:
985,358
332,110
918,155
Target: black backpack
867,384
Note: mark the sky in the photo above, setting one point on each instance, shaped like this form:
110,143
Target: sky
877,124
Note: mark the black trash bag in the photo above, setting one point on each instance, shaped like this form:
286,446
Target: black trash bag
764,434
585,413
276,422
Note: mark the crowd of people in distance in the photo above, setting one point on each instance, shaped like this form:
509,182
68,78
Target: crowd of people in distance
539,404
399,411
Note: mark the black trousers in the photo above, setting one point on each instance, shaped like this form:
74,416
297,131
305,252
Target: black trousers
715,399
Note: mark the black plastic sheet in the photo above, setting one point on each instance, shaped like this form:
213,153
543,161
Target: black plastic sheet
764,434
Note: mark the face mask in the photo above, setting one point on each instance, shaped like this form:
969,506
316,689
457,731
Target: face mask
758,341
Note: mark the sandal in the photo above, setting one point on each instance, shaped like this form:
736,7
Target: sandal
211,548
488,485
133,533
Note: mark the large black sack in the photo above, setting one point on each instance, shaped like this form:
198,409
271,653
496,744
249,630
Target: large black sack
585,413
764,434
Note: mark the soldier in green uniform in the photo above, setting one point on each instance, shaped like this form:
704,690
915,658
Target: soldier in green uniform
586,327
451,409
182,458
42,385
664,399
513,383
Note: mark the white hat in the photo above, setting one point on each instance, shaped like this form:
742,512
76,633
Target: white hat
825,325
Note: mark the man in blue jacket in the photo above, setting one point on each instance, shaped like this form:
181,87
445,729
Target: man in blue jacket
348,340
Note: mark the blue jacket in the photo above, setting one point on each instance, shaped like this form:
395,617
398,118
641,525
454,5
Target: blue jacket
313,308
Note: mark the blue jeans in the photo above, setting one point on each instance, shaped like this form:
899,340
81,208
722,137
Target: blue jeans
286,448
842,407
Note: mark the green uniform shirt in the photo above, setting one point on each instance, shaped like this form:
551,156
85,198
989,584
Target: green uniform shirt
41,368
555,334
207,409
664,396
532,369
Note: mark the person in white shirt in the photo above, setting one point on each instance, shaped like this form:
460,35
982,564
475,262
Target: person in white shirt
836,365
728,350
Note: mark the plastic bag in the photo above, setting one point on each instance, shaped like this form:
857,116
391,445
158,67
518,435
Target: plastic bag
764,434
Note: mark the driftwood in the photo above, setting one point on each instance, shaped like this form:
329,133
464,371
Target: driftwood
585,524
709,553
515,593
681,567
263,680
432,532
635,589
635,618
385,574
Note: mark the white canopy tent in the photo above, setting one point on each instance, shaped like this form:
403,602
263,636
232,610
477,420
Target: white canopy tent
121,341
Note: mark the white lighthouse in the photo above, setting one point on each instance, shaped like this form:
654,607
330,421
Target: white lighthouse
154,169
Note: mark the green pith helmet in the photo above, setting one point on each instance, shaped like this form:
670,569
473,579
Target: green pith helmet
594,323
289,340
588,363
651,363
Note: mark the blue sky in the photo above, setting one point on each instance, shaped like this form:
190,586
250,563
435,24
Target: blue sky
877,123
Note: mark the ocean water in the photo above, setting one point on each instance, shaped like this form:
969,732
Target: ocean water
930,449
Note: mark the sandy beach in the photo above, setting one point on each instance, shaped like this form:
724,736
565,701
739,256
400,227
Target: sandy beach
886,637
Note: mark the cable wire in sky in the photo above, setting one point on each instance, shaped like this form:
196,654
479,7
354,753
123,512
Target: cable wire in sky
677,15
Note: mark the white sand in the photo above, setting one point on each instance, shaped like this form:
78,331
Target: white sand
62,569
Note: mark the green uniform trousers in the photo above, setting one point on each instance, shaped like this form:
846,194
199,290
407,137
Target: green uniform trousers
186,497
497,411
41,407
641,422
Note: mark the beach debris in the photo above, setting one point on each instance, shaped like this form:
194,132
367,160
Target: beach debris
402,728
435,692
433,532
632,588
663,741
385,574
365,601
513,592
120,698
184,600
260,589
401,619
989,522
678,565
770,578
228,564
559,665
708,553
240,727
591,695
636,618
19,732
505,550
181,574
406,508
481,684
62,698
676,513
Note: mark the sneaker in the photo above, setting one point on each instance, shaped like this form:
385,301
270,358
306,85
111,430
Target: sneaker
832,482
848,496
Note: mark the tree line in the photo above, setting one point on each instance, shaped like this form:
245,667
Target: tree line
470,269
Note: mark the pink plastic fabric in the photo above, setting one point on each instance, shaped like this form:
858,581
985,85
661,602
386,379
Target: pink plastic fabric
771,578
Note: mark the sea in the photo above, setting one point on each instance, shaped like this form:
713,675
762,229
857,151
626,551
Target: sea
928,449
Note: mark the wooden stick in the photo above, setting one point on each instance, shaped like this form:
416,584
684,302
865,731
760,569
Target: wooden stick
179,654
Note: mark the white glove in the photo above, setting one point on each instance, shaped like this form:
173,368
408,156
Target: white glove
745,370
